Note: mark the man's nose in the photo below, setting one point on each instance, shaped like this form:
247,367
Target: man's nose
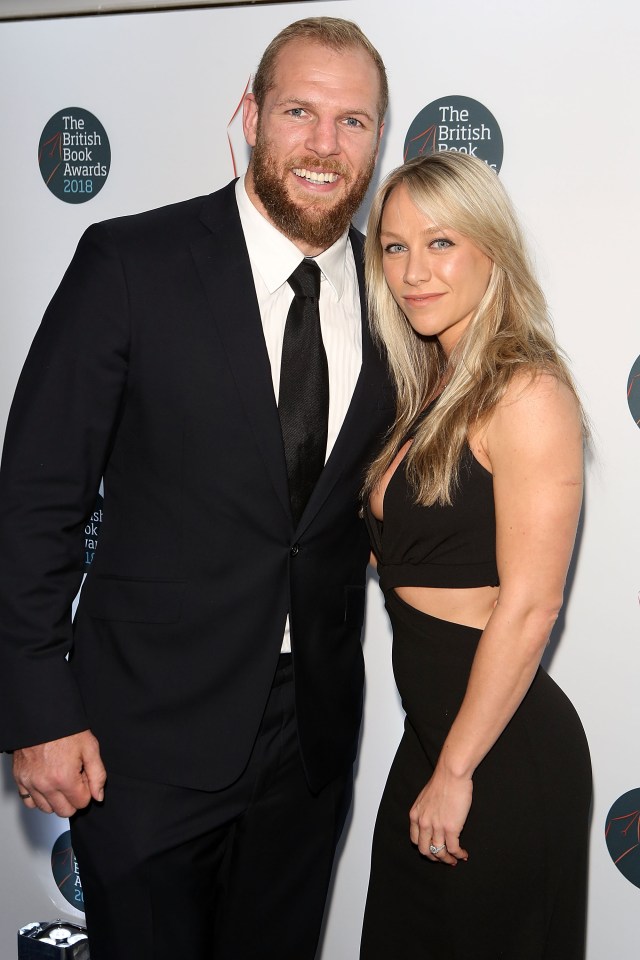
323,138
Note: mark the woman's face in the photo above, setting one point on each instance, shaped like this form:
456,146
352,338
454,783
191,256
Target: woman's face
437,276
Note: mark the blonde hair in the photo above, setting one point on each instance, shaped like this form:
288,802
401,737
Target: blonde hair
509,332
329,32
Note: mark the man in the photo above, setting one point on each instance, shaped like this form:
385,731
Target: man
164,364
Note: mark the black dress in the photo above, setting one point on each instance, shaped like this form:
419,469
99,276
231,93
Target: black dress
522,893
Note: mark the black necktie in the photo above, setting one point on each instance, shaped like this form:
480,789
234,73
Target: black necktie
303,401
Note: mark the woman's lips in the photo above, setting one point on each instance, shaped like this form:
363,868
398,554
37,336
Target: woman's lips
418,299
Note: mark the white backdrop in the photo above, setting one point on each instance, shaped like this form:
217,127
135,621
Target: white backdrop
561,79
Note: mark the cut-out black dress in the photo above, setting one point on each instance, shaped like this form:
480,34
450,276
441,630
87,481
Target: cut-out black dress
522,893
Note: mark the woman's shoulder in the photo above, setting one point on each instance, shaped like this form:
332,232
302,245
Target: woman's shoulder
538,413
531,391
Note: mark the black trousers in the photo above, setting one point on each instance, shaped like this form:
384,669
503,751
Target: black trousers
237,874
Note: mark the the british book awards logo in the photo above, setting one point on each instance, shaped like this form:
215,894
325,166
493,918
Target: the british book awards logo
92,532
65,871
74,155
622,835
458,124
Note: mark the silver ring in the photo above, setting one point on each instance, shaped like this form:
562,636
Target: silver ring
436,850
24,796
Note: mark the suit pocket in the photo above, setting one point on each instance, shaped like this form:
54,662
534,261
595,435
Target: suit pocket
135,601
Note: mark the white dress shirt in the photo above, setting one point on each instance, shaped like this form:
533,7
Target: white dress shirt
273,259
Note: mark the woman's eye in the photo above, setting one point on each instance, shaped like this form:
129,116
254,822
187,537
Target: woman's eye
441,244
394,248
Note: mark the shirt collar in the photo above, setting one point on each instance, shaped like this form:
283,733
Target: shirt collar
275,257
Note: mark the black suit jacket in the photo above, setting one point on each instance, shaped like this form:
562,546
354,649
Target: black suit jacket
150,369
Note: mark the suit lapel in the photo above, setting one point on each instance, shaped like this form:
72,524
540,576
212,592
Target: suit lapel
223,265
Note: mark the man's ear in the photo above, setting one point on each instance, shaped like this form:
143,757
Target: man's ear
250,119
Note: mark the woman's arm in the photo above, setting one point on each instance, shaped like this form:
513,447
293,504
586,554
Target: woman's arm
534,444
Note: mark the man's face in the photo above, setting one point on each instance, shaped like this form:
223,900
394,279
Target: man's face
315,142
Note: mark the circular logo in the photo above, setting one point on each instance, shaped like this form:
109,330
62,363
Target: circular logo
64,867
74,155
459,124
622,833
633,392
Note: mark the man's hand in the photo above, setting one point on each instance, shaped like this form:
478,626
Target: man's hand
60,776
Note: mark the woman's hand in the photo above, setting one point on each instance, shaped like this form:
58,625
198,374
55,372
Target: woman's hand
438,816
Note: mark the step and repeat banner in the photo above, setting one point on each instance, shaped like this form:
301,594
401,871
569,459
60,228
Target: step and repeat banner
109,115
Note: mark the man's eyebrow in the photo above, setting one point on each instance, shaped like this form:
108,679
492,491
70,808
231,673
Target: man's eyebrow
347,112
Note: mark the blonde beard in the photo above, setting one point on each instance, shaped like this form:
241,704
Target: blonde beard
316,225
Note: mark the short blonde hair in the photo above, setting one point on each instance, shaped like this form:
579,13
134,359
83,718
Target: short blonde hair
329,32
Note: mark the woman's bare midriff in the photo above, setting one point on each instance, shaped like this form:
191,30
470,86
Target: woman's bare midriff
470,606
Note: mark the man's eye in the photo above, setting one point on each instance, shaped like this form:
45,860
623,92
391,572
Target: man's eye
352,122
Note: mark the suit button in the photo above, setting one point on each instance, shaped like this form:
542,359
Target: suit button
295,550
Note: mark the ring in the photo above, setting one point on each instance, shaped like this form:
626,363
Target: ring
435,850
24,796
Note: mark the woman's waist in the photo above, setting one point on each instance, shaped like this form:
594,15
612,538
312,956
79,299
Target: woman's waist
464,606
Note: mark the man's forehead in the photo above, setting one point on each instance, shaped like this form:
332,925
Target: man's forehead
304,52
304,48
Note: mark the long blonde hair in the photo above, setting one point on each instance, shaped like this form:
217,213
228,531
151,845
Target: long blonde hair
510,330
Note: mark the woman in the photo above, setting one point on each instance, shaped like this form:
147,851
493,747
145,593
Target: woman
472,507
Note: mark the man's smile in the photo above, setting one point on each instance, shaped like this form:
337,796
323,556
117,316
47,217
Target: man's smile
312,177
